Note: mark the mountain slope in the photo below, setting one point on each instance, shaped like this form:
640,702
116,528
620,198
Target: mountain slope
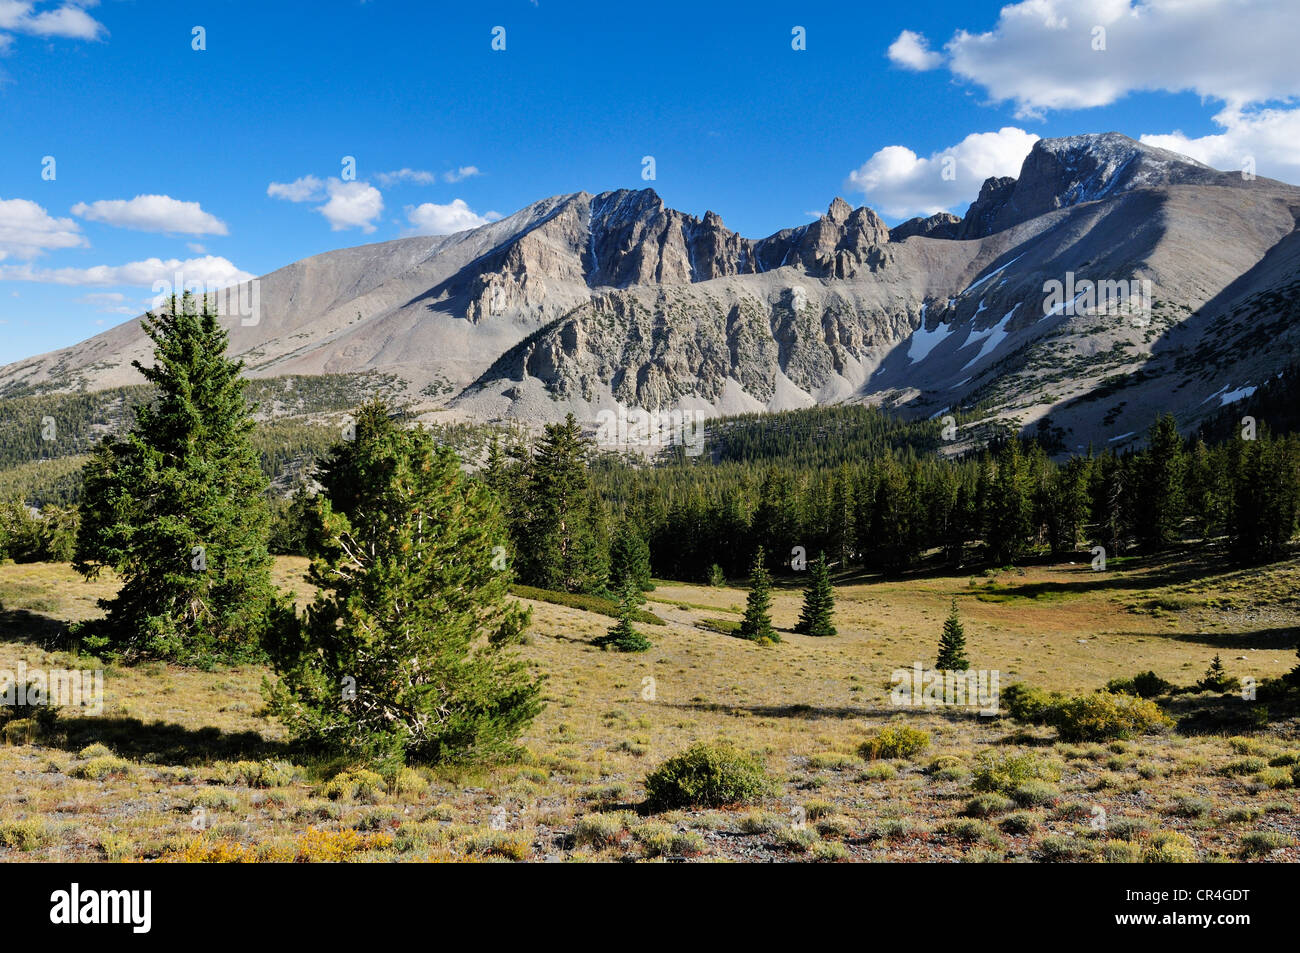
581,300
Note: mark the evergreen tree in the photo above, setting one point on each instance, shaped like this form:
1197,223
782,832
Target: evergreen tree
818,601
841,539
176,508
757,623
1160,491
624,636
1216,677
404,652
716,576
629,558
1007,518
559,545
952,644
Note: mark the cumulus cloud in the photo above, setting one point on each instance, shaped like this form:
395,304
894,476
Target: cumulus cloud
67,20
458,175
347,204
152,213
432,219
352,205
306,189
27,230
1072,54
1262,141
900,183
210,271
912,51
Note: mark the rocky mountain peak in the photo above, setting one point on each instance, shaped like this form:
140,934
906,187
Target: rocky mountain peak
1066,171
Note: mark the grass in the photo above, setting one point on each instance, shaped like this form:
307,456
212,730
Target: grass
175,748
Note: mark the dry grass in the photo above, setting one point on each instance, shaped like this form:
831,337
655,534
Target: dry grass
170,787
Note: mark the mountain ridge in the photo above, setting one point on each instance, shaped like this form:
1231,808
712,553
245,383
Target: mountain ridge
584,300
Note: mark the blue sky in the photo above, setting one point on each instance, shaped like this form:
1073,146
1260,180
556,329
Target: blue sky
229,161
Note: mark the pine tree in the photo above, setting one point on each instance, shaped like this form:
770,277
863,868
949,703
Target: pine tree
629,558
757,623
176,508
558,543
624,636
1161,471
404,652
818,601
1007,517
1216,677
716,576
952,644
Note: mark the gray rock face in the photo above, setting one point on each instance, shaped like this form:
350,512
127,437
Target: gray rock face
581,300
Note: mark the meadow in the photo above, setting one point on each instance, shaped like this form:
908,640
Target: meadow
184,764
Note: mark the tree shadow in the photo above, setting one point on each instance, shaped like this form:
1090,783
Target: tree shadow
162,742
34,628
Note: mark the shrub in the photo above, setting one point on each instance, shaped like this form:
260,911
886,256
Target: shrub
96,769
895,741
1186,805
797,840
1103,716
1260,843
1034,793
707,775
1030,705
600,830
1143,685
1004,772
829,851
513,845
1169,847
361,785
878,772
972,831
23,835
1019,823
1121,852
988,804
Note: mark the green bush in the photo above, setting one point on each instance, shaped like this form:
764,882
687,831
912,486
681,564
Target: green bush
1143,685
895,741
1104,715
1003,773
1030,705
707,775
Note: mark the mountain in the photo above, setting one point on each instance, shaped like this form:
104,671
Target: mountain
1108,282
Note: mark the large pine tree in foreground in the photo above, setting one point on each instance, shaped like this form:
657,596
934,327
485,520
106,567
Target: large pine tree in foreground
952,644
175,507
757,623
818,601
405,652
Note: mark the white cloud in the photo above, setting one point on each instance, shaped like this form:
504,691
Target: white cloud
418,176
464,172
306,189
431,219
27,230
900,183
352,205
211,271
1265,138
68,20
152,213
348,204
196,248
912,51
1041,54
